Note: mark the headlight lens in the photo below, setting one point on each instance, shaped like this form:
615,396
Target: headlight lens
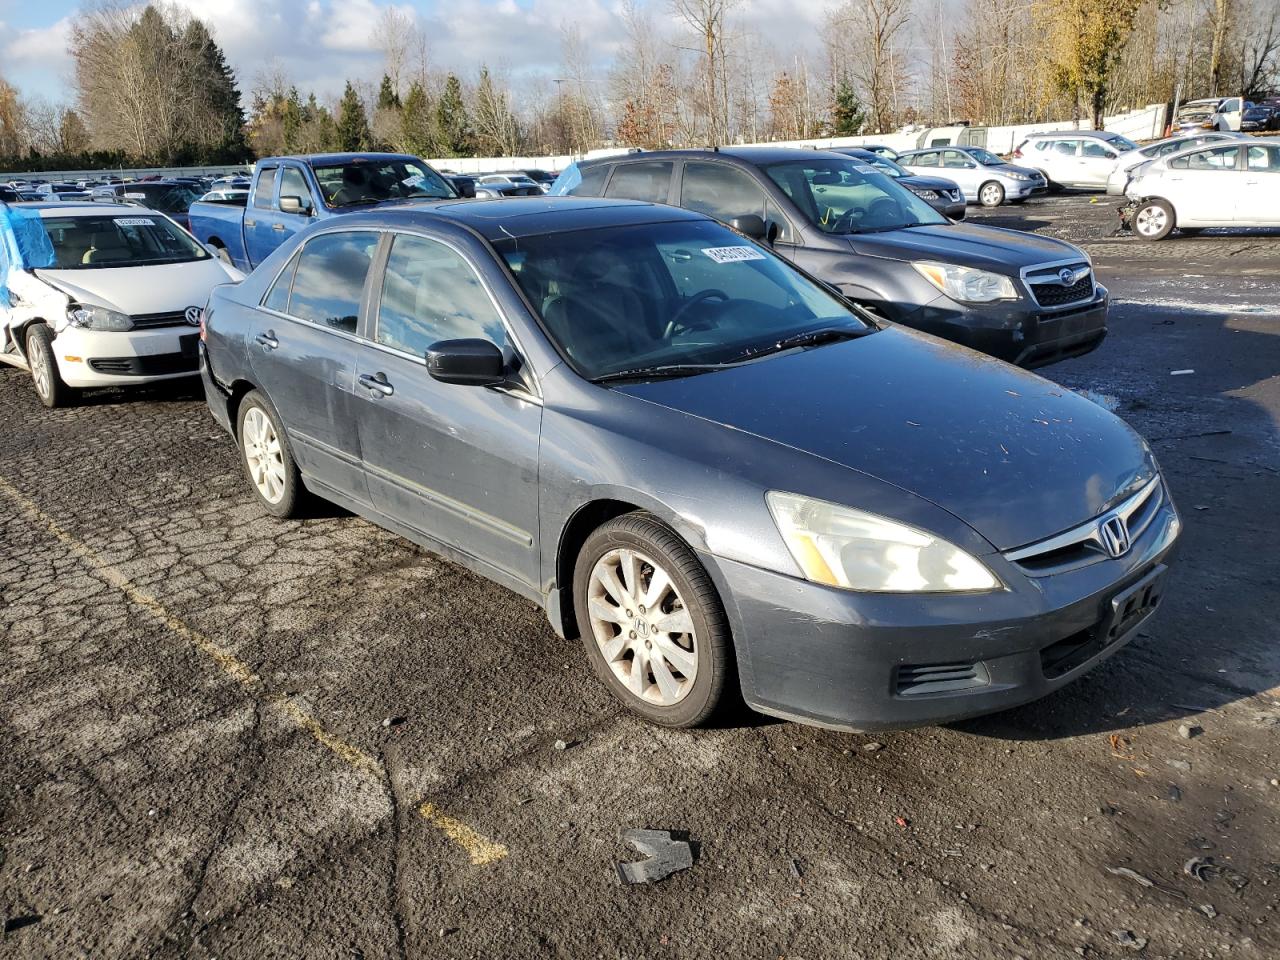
925,194
98,318
966,283
1013,175
843,547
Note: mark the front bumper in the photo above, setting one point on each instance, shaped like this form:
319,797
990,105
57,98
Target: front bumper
1021,189
94,358
854,661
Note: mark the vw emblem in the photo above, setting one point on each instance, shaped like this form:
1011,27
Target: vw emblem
1066,276
192,315
1114,534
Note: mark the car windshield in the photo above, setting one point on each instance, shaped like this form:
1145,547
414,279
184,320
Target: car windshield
106,240
675,295
167,197
850,196
1121,143
372,181
985,157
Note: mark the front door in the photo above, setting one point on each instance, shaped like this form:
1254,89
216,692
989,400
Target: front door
1097,160
286,223
303,351
1207,185
457,463
259,239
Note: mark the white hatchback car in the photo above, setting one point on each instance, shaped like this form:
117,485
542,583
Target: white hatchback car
95,295
1233,184
1128,163
1074,158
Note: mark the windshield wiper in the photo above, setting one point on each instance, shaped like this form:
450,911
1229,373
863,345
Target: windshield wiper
660,371
809,338
352,203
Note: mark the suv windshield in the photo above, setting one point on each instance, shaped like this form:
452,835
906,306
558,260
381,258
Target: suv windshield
675,296
84,243
372,181
849,196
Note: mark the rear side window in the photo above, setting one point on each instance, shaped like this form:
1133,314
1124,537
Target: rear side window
1065,147
277,298
648,180
1219,158
721,191
924,160
954,158
589,181
329,279
262,196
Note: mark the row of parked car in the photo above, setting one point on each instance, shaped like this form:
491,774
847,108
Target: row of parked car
666,403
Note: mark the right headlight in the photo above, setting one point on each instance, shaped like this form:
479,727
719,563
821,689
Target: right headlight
966,283
98,318
843,547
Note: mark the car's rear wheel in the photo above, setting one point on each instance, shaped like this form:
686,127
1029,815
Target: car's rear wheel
268,462
651,621
44,368
1153,220
991,194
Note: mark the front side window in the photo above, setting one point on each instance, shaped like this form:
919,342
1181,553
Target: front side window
1264,159
848,196
985,157
678,292
954,158
1096,151
329,280
126,240
648,180
294,184
430,293
264,194
360,181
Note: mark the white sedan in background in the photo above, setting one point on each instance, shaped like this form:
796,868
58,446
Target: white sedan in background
93,295
1233,184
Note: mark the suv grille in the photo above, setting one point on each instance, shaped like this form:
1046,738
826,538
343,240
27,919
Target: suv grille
1045,283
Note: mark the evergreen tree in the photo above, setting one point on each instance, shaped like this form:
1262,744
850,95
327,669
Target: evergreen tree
417,123
292,119
353,124
73,138
451,120
217,99
388,98
847,118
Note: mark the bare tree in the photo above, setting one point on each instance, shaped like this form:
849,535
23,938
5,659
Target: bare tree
871,32
396,34
706,21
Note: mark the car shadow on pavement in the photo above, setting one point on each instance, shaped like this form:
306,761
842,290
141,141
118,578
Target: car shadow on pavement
163,391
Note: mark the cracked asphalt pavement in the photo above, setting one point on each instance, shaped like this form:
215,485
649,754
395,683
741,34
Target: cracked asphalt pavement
194,760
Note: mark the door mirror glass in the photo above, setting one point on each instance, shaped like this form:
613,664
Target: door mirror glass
469,362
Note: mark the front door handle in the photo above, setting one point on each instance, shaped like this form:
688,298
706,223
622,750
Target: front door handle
267,340
277,226
250,223
377,383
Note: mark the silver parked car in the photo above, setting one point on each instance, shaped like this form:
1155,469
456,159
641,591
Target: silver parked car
983,177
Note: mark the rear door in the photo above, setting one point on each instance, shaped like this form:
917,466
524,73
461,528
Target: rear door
259,238
1207,186
303,348
457,463
1258,201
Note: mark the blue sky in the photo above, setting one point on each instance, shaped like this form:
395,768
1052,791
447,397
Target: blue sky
319,43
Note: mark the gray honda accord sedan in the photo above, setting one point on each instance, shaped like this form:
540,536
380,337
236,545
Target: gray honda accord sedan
704,463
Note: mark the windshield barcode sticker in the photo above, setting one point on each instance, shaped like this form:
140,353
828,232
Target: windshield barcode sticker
134,222
733,254
863,168
135,196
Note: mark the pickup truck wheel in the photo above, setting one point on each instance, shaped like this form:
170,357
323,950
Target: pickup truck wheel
652,623
268,462
1153,220
991,194
44,368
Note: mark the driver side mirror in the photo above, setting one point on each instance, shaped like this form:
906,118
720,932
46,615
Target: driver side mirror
468,363
754,226
294,205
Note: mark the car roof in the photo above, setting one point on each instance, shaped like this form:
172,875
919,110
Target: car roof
516,217
746,156
53,208
327,158
1059,134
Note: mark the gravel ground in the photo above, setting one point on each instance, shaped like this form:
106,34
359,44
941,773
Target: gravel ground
230,736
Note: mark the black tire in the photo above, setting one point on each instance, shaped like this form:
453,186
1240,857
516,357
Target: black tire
991,194
714,645
293,496
1154,219
47,380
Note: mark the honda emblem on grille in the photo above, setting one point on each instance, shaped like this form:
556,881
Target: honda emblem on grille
192,315
1066,276
1114,534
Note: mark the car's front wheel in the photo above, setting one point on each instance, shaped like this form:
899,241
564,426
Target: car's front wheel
268,462
1153,220
44,368
651,621
991,194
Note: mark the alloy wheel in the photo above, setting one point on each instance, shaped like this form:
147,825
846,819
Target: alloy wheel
1150,221
39,360
642,627
263,454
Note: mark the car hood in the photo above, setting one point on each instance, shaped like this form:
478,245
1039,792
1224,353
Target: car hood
159,288
966,244
1014,456
928,183
1008,168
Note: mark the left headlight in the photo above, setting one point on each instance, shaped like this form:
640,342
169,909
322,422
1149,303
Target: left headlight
925,194
843,547
966,283
98,318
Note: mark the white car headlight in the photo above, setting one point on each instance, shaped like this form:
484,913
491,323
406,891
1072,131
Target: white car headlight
98,318
843,547
966,283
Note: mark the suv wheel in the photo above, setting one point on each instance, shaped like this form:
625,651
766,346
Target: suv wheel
44,368
991,194
1153,220
651,621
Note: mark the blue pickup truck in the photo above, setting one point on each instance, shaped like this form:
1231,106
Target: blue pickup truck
288,193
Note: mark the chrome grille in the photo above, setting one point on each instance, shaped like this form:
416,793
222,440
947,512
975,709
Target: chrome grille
1084,544
1046,286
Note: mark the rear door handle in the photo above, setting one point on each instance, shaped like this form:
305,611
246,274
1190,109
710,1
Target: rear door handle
267,340
377,382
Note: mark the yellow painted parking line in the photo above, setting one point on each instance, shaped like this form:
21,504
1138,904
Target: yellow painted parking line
480,849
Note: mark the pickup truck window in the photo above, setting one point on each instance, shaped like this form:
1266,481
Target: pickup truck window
264,192
294,184
330,279
362,180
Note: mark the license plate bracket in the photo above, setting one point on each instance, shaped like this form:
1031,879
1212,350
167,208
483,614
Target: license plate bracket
1132,605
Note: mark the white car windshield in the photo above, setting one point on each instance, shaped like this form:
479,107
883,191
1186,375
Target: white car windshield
125,240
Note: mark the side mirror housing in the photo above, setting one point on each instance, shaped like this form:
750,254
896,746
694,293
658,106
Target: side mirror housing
468,363
294,205
755,227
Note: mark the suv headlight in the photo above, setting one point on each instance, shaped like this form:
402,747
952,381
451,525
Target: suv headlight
966,283
924,193
843,547
98,318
